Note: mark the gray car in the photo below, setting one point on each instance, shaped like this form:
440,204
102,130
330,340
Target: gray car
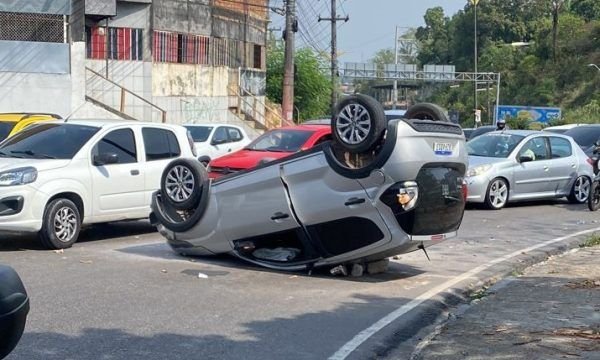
515,165
340,202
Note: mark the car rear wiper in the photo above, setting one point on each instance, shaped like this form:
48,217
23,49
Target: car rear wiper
31,153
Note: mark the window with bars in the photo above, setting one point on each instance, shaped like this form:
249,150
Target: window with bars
116,43
181,48
32,27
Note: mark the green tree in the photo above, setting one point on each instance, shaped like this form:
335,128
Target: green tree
312,82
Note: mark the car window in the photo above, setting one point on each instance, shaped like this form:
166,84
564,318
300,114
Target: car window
5,129
280,141
584,136
536,148
120,142
48,141
560,147
498,145
160,144
199,133
220,136
234,134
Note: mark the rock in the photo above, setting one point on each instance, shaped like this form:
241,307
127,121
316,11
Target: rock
377,267
339,270
357,270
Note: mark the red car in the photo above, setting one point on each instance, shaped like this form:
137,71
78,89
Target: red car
272,145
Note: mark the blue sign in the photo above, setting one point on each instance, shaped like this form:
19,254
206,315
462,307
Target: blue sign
534,113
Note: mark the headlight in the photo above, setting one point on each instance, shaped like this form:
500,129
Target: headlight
478,170
18,176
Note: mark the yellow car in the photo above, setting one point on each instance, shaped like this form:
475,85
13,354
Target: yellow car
12,123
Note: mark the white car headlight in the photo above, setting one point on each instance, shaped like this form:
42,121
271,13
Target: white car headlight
478,170
20,176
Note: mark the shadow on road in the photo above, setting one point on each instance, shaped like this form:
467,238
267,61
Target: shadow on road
15,242
395,271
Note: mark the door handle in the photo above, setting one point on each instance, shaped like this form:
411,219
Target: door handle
546,168
279,216
228,150
134,172
354,201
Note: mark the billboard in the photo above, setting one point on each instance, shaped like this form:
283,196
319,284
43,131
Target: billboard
534,113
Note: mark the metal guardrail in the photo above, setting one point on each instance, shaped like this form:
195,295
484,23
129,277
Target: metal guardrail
112,95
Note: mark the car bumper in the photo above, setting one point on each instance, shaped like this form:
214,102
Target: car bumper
477,188
18,209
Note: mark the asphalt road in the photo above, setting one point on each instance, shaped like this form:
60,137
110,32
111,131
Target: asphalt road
121,293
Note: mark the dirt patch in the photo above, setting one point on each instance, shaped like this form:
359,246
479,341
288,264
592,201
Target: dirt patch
584,284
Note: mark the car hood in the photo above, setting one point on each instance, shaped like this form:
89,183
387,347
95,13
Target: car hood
39,164
482,160
244,159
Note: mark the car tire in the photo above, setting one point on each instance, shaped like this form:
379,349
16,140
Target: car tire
358,123
496,196
578,193
181,183
594,197
426,111
60,225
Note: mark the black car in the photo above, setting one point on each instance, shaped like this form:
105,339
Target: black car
585,136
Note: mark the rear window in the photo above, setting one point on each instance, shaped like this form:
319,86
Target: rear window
5,129
584,136
160,144
199,133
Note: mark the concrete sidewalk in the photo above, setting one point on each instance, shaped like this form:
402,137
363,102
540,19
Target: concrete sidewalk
551,311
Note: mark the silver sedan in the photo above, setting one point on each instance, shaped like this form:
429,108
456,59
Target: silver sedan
515,165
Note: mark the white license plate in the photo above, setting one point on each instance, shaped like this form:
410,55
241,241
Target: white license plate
443,148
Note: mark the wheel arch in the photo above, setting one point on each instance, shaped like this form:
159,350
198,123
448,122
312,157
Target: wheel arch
74,197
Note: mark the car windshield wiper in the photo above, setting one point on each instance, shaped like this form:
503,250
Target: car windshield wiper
31,153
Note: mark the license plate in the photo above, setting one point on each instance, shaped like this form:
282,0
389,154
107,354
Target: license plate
442,148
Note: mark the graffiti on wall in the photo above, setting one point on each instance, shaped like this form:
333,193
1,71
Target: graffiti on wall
254,81
198,110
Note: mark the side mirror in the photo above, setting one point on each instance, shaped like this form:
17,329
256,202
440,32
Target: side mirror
14,307
105,159
525,158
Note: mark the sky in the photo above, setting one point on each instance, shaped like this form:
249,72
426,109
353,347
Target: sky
371,26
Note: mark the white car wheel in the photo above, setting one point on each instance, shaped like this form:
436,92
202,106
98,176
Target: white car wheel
497,194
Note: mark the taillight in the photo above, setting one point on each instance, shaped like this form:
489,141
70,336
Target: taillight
191,142
465,191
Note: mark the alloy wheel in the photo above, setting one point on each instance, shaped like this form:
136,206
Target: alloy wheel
581,189
179,183
65,224
353,124
498,193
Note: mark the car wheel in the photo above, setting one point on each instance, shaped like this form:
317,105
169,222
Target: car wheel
181,183
497,194
358,124
581,190
61,224
426,111
594,198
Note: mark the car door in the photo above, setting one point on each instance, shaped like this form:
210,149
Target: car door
563,167
532,178
117,188
336,210
219,142
160,148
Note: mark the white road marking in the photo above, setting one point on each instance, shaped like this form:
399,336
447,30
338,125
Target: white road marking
364,335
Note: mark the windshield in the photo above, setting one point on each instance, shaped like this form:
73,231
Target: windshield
199,133
50,141
5,129
280,141
584,136
498,145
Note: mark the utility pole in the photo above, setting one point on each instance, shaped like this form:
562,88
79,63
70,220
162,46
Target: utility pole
287,102
395,100
475,3
334,67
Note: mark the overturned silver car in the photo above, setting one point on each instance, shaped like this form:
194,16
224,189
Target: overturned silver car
376,190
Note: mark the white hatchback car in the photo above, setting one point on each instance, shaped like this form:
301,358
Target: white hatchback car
56,176
215,140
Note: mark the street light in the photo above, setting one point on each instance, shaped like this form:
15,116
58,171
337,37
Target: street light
594,65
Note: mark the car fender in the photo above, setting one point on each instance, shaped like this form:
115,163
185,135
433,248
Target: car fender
55,187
